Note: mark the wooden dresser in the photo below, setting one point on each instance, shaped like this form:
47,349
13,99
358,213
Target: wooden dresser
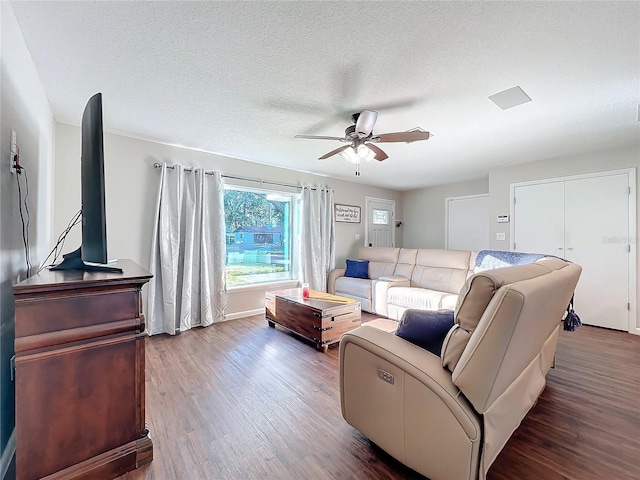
80,374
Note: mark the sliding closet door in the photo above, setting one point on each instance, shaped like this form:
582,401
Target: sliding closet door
597,233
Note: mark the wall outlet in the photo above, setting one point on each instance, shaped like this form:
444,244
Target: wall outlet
357,236
501,236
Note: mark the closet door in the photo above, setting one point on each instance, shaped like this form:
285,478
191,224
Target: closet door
467,222
597,238
538,219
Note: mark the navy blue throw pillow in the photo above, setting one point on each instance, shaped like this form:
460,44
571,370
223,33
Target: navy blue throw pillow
426,329
357,269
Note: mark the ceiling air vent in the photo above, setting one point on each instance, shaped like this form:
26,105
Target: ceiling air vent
510,98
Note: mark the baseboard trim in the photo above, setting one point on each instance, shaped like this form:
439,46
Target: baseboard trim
110,464
7,454
246,313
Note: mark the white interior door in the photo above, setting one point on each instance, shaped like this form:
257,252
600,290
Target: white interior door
587,221
380,226
597,238
467,222
538,218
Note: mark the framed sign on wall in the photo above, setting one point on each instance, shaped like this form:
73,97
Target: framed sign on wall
347,213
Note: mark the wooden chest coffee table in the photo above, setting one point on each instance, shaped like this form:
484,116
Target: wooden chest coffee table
322,318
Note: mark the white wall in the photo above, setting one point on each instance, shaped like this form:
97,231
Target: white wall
131,195
423,220
24,107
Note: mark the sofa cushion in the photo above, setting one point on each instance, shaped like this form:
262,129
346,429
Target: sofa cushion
441,270
425,329
476,295
382,260
357,287
357,269
420,298
406,262
480,288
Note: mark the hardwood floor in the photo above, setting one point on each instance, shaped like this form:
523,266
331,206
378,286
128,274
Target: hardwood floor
240,400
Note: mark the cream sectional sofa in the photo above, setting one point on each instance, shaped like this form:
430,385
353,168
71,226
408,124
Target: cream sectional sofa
406,278
448,416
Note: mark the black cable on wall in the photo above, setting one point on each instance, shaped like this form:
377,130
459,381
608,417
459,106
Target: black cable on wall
23,208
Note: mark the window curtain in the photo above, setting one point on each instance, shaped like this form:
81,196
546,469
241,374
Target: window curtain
188,252
317,237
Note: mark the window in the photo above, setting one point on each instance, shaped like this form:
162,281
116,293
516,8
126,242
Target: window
259,233
380,217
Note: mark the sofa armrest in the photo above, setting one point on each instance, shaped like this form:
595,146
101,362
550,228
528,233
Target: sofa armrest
399,279
399,396
331,280
413,360
381,290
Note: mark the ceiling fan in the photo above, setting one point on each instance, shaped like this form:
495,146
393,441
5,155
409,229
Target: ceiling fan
361,139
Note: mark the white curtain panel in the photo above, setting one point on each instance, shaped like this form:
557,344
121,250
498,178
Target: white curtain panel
317,237
188,287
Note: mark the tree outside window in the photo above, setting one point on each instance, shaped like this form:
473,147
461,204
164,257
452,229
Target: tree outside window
259,236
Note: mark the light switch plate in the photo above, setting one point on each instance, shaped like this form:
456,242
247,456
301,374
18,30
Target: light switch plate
501,236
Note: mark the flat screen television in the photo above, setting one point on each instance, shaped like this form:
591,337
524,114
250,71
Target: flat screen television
92,254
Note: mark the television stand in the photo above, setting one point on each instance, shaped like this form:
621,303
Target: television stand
80,374
73,261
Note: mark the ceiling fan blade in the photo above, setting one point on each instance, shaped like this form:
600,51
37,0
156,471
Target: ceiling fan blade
366,121
402,136
396,104
321,137
380,155
290,105
334,152
322,125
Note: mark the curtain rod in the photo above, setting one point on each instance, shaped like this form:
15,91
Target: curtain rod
246,179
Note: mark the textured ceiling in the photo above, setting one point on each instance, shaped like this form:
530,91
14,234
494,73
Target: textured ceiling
242,78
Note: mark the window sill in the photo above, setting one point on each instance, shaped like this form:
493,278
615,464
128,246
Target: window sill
264,286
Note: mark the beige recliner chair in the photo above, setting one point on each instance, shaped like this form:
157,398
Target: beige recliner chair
449,417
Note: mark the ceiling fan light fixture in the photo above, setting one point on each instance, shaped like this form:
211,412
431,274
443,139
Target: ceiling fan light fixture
365,153
361,142
350,155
